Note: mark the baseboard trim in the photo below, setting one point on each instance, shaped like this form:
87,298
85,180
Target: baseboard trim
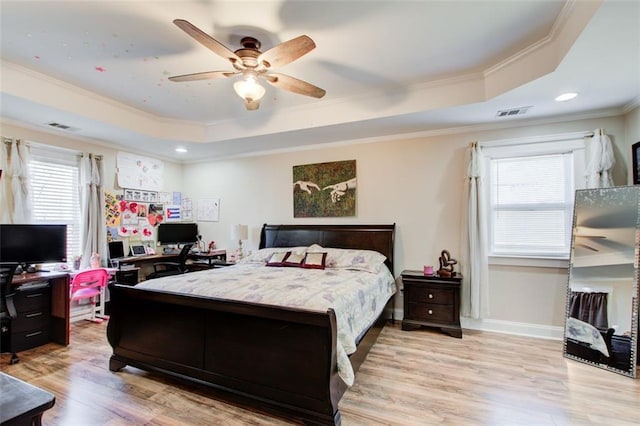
515,328
505,327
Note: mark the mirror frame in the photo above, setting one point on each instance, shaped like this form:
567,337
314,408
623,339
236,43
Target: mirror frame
633,367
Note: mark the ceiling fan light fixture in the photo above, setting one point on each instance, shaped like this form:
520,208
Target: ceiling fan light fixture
249,89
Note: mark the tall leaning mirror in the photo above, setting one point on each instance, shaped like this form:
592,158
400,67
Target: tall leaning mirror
601,326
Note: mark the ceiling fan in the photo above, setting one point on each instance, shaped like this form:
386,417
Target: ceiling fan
592,239
252,64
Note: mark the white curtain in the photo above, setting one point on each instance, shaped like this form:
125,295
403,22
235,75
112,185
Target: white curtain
475,301
600,160
92,199
6,199
15,197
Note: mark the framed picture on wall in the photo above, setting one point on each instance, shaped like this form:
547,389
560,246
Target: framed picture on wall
635,162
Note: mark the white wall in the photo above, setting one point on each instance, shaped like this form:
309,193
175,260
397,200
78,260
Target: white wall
416,183
173,171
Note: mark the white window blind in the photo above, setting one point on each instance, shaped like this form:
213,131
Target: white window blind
55,194
531,199
531,193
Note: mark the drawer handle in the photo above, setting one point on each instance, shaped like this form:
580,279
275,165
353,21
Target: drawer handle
430,312
34,295
33,315
35,333
430,296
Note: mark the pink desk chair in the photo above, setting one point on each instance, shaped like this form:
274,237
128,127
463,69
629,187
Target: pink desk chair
88,284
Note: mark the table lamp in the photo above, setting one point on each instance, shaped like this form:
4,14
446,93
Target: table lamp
239,232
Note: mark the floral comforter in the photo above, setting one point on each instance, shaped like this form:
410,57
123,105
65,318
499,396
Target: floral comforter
357,297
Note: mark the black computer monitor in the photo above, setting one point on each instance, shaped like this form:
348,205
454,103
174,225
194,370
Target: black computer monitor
30,244
178,233
116,249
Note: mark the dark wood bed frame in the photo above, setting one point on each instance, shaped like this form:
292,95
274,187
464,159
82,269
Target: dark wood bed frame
272,359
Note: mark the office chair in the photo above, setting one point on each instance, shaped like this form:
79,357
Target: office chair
87,285
7,308
165,269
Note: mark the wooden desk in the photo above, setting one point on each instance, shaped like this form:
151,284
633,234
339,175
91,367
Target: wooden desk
144,264
208,260
149,258
60,301
201,261
22,403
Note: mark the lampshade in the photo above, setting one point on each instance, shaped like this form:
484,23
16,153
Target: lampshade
239,232
249,89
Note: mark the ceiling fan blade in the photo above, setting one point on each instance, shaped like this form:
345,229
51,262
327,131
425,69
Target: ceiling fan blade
588,247
252,105
203,76
206,40
287,52
294,85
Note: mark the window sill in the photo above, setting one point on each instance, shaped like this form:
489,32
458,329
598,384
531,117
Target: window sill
537,262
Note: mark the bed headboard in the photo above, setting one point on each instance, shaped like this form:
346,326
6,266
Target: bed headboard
370,237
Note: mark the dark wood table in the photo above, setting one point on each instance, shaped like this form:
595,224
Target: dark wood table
208,260
22,403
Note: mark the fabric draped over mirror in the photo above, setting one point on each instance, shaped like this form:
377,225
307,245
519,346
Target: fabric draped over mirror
474,258
14,182
599,160
590,307
92,199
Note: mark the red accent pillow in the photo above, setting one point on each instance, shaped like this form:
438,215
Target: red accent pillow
315,260
278,258
294,259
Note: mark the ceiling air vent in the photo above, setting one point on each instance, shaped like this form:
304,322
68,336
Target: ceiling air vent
513,111
61,126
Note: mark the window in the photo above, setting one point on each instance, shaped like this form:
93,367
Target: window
55,192
531,193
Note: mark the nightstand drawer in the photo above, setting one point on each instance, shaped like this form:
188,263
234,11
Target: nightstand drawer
438,296
431,313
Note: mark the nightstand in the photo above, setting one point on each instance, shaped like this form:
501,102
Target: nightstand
431,301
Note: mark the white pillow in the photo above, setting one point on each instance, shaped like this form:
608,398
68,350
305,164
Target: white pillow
262,255
361,260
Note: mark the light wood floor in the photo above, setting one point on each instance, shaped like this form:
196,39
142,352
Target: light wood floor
417,377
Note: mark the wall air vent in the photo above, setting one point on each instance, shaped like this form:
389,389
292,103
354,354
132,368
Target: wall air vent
513,111
62,126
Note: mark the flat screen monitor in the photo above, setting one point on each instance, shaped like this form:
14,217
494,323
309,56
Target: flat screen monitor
29,244
177,233
116,249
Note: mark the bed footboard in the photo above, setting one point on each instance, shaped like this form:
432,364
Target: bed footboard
274,359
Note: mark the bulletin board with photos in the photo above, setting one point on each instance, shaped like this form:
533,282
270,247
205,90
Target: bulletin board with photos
134,215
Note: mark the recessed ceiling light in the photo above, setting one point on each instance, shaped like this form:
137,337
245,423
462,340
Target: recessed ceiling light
181,149
566,97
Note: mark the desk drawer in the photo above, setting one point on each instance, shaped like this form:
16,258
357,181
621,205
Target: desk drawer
21,341
127,276
32,298
31,320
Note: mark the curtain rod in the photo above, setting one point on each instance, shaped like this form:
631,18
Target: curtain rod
45,147
539,139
